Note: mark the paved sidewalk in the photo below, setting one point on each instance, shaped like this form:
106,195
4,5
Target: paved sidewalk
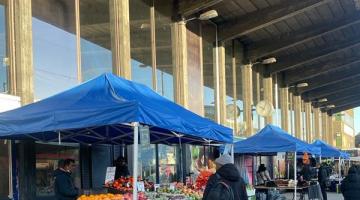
331,196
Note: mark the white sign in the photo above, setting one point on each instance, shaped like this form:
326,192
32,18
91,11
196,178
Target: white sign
172,186
156,186
227,149
110,174
141,186
9,102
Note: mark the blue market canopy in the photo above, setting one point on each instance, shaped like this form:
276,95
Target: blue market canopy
328,151
345,155
272,139
100,111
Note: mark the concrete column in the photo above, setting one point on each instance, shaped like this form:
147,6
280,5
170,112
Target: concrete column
222,84
11,45
179,54
284,105
120,37
324,128
297,113
330,134
308,121
268,95
246,73
316,123
24,52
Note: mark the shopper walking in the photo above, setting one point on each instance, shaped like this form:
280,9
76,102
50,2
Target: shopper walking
64,185
226,183
350,186
323,178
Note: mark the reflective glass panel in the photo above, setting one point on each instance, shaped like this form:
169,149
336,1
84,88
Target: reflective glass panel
95,42
3,66
54,47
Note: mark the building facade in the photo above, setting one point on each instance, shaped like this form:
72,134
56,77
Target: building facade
344,131
47,46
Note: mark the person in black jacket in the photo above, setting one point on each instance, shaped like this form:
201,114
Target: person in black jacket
323,176
64,185
350,186
228,175
121,168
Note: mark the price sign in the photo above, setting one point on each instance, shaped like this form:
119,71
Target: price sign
110,174
172,186
141,186
156,186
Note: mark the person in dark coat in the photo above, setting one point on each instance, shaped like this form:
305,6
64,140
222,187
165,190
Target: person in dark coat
323,176
64,185
228,173
350,186
122,169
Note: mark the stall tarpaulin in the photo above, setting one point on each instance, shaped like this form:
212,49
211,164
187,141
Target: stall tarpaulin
109,109
328,151
273,139
96,111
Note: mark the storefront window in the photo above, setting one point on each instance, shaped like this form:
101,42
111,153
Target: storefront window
140,41
147,162
164,64
258,95
208,38
4,170
54,47
4,66
47,157
167,163
234,102
95,42
202,158
276,95
231,109
303,122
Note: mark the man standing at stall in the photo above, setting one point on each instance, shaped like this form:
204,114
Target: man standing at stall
64,185
323,178
226,183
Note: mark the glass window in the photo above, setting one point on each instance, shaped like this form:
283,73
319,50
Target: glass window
4,170
276,95
54,47
167,163
147,162
140,41
95,42
303,122
231,109
202,158
208,38
47,157
258,95
3,67
164,65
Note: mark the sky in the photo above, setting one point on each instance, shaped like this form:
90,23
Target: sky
357,119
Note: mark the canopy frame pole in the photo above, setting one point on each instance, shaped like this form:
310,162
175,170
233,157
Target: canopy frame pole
179,136
295,174
135,159
232,154
339,170
59,137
